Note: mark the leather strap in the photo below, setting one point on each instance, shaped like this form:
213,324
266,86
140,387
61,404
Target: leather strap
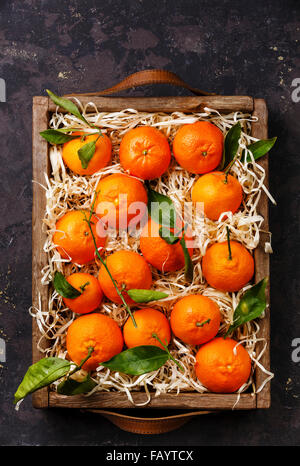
145,77
148,426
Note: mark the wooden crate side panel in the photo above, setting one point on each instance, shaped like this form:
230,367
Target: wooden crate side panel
167,401
40,165
166,104
262,268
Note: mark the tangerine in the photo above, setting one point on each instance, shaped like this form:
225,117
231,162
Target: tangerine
145,152
119,199
160,254
96,331
219,192
227,270
195,319
149,321
91,293
222,365
100,159
198,147
129,270
73,238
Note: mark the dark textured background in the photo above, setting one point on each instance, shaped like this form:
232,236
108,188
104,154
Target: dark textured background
231,47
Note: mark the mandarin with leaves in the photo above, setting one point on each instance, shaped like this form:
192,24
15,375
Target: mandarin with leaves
195,319
145,152
91,293
96,331
129,271
149,322
158,252
73,238
198,147
99,160
223,365
218,192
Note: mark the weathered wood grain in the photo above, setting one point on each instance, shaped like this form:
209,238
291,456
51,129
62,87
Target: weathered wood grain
40,165
262,268
118,400
167,104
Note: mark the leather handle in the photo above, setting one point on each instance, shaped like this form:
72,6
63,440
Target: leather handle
148,426
145,77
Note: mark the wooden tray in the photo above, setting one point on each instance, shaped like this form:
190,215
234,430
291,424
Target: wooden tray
42,109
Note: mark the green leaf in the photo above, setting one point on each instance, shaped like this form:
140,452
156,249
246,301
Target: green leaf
39,375
161,209
259,148
168,236
231,145
145,296
252,305
138,360
189,269
86,152
73,387
57,137
67,105
63,287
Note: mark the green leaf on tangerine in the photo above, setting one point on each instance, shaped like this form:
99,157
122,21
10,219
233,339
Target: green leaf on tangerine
161,209
231,144
63,287
86,152
39,375
259,148
138,360
145,296
72,387
57,137
67,105
251,306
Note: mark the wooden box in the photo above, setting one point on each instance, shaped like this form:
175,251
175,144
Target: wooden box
42,108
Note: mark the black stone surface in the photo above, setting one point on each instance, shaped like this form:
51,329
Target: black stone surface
231,47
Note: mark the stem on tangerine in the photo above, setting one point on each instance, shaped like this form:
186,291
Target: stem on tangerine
77,368
200,324
167,350
228,242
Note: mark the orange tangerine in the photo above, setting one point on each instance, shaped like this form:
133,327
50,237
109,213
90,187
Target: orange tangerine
91,293
96,331
222,365
161,255
149,321
145,152
219,193
198,147
73,238
100,159
195,319
129,270
224,273
121,199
